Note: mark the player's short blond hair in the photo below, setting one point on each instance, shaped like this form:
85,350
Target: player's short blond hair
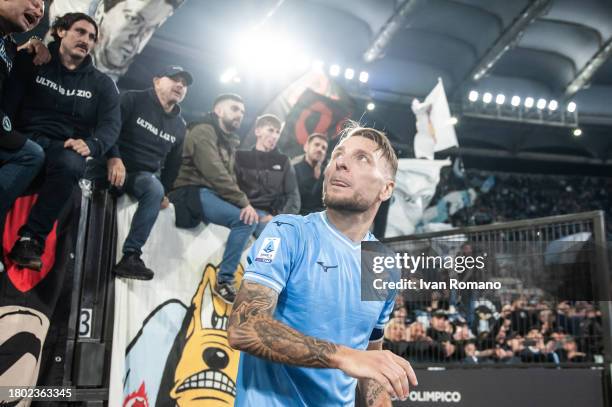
378,137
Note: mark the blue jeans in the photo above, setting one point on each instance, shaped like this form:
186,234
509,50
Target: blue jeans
220,212
143,186
17,170
149,191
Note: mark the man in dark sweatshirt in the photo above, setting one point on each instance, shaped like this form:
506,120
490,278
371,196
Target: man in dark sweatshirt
208,161
72,111
150,142
266,175
20,159
309,173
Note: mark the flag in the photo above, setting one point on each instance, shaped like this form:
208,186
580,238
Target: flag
450,204
313,103
125,27
487,184
28,298
435,127
416,183
458,168
313,113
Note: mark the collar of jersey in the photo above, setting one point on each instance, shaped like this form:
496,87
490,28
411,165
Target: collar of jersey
337,233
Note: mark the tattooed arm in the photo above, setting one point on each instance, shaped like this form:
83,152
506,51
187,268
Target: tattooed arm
371,393
253,329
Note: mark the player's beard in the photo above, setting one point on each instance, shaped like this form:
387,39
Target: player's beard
355,203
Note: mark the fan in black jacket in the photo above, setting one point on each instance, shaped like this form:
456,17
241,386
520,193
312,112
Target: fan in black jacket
72,111
150,142
20,159
266,176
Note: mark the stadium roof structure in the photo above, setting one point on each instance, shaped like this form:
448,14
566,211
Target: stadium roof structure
551,49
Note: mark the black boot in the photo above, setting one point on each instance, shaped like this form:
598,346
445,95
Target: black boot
26,253
132,266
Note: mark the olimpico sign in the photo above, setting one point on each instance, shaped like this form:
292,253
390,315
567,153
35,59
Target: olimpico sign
435,396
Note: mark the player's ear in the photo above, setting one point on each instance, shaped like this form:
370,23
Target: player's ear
387,190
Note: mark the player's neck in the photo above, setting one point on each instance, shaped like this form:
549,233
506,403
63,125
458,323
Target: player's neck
353,225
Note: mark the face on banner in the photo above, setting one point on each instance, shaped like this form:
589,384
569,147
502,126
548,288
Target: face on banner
125,29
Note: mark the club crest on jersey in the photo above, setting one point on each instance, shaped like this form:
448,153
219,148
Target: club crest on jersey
268,249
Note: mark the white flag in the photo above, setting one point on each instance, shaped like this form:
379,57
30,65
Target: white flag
435,127
415,185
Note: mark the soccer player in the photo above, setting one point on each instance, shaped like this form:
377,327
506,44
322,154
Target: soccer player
298,316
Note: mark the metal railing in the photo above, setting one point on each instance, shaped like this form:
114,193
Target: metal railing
551,307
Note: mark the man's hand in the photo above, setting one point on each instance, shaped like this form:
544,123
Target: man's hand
115,171
248,215
165,203
40,51
266,219
78,145
393,372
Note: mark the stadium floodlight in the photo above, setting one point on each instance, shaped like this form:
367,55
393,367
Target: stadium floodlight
317,65
487,98
473,96
454,121
553,105
364,76
334,70
228,75
571,107
541,103
529,101
515,101
500,99
349,74
577,132
302,62
371,106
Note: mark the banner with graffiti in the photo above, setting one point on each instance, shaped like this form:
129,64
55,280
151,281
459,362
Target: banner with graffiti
170,344
125,27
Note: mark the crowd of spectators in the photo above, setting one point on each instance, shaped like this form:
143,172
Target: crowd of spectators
516,196
64,120
522,331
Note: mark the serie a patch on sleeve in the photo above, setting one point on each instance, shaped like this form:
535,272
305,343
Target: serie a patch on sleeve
268,249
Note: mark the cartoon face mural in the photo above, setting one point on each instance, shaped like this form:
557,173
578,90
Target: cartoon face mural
208,367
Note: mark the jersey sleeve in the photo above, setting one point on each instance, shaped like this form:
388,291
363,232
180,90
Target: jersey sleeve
270,258
383,318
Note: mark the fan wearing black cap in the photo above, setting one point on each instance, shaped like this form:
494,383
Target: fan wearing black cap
145,161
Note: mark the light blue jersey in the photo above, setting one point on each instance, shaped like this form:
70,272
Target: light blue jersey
316,271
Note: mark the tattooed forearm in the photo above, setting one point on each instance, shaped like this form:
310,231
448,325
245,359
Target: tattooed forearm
373,394
252,329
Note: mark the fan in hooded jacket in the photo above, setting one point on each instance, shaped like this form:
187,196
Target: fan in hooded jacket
72,111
